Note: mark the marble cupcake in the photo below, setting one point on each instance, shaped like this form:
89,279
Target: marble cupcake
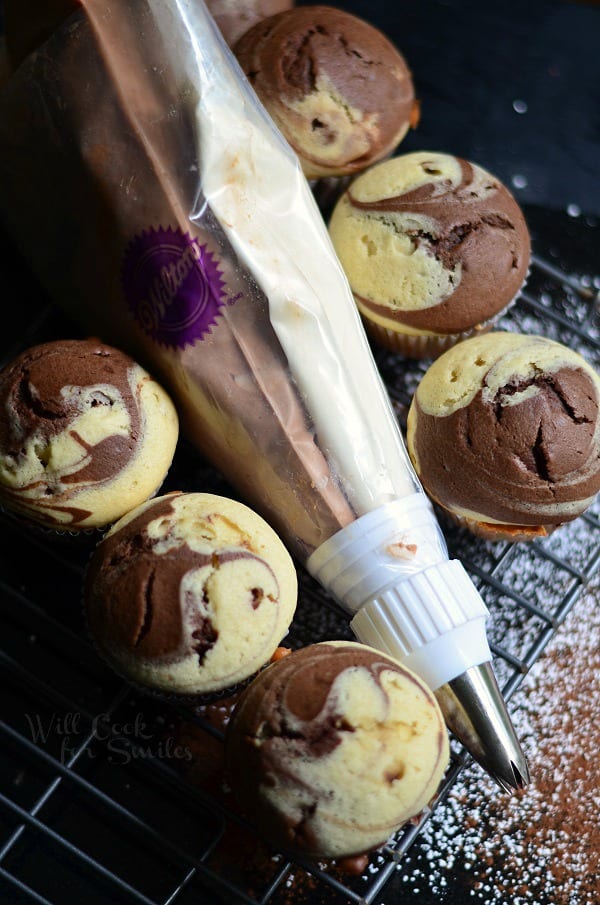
434,248
331,749
504,433
190,594
337,88
86,434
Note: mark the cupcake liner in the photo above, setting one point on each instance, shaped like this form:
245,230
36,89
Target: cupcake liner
432,345
69,538
489,531
178,699
419,345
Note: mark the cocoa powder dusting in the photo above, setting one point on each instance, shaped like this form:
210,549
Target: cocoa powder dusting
542,845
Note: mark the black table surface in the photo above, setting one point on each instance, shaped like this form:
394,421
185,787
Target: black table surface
512,86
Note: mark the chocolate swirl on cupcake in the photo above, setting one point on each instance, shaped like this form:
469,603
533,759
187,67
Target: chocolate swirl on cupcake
334,747
86,434
337,88
431,244
504,432
190,593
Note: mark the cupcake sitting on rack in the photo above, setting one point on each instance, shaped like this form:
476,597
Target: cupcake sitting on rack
504,433
434,248
333,748
336,87
86,435
189,594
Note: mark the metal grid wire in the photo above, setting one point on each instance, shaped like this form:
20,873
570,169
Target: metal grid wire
112,796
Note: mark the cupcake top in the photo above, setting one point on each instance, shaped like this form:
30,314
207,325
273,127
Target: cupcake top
337,88
506,428
190,593
430,242
86,434
332,748
234,17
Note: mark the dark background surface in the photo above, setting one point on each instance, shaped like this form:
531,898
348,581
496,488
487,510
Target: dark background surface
473,63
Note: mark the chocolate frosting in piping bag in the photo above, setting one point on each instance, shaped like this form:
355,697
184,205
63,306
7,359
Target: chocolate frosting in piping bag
152,127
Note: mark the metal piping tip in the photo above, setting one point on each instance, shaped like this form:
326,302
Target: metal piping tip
476,714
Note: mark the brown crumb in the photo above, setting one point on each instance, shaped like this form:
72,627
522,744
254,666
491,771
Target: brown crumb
355,865
400,550
415,114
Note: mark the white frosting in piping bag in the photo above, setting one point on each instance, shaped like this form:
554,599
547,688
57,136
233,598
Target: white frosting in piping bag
253,183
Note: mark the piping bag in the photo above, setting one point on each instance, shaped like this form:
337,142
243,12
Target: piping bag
153,196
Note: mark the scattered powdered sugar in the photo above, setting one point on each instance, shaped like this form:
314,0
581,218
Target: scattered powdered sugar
541,845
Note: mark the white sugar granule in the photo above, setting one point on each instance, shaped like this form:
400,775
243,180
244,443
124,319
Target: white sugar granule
540,846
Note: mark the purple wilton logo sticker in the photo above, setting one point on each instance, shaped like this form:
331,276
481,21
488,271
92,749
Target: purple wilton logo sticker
173,286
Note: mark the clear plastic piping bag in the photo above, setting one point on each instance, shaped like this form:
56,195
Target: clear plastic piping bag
189,235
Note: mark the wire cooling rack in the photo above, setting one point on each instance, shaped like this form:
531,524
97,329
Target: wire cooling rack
110,796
